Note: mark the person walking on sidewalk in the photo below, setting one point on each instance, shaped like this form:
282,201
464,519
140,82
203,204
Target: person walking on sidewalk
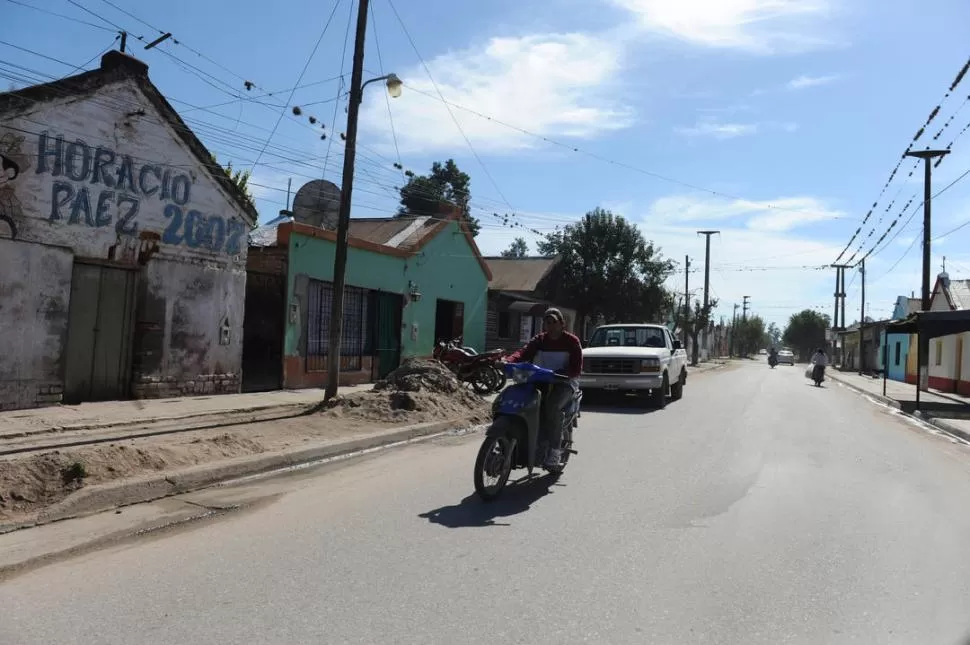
819,361
560,351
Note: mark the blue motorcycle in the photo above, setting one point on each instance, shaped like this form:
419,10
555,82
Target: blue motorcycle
512,440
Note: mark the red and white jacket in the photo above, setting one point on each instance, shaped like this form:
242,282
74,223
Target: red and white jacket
563,354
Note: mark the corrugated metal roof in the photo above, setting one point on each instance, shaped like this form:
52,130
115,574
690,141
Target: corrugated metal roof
518,274
265,235
960,293
388,231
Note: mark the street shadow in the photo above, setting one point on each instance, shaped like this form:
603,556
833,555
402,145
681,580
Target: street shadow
939,410
472,512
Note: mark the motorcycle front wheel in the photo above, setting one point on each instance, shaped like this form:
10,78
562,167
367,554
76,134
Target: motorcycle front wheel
493,467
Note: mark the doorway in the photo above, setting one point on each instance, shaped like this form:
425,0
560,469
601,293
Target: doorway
263,329
100,323
449,320
387,332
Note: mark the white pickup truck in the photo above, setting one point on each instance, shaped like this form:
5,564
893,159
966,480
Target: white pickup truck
640,358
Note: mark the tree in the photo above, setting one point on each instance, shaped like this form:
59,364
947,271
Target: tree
696,322
806,331
518,249
446,183
774,335
238,177
749,333
608,269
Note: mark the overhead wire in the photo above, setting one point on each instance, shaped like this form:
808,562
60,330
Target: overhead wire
916,137
340,85
59,15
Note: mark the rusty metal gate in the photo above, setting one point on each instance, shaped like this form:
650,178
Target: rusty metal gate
98,359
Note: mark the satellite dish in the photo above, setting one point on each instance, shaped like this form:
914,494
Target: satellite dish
317,203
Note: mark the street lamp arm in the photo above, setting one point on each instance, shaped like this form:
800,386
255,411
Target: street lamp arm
391,81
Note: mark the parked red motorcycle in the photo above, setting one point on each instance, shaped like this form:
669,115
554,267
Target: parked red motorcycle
479,370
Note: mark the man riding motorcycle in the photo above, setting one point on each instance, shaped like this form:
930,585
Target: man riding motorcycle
772,356
560,351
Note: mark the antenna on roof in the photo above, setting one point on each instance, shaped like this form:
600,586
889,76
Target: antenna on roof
124,40
944,264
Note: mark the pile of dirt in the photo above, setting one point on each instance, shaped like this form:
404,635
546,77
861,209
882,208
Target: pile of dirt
418,391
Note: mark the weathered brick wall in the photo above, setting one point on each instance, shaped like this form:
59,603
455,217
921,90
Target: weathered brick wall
268,259
154,387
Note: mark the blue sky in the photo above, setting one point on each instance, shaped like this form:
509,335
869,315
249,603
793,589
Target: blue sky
775,121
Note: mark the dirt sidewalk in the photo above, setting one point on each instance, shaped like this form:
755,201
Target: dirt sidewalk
40,487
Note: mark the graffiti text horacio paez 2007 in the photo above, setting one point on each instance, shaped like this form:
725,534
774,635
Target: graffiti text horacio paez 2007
126,186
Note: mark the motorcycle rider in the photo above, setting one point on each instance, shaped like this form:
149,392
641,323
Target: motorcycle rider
819,361
560,351
773,355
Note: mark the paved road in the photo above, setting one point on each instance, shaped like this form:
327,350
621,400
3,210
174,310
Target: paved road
757,510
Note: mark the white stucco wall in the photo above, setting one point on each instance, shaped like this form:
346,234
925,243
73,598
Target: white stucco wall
107,176
35,288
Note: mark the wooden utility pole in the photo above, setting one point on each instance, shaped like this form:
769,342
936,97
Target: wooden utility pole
343,219
707,277
862,318
683,327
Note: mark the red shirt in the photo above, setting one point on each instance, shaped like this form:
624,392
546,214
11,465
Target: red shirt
563,354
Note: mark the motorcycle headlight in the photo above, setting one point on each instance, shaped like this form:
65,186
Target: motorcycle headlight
651,364
520,376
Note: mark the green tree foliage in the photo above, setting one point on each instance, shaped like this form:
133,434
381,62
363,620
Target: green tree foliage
749,334
696,322
238,177
774,335
609,269
445,183
518,249
806,331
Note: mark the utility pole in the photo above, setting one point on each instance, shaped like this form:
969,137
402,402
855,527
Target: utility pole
923,351
707,276
734,326
124,40
862,318
744,310
686,299
839,300
343,218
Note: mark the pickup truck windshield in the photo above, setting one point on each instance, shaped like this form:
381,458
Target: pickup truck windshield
628,337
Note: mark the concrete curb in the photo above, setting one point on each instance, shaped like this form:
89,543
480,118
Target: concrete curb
940,424
112,495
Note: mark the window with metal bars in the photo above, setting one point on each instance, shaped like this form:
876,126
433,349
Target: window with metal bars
355,325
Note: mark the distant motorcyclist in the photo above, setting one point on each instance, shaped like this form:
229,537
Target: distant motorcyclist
560,351
772,356
819,361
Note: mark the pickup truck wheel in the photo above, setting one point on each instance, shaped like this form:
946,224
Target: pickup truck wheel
659,396
677,389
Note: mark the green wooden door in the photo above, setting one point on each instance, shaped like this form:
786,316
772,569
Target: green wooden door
388,337
98,365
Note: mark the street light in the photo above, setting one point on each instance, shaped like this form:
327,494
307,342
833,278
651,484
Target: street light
394,86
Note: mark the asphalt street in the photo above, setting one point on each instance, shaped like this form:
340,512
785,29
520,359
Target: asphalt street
758,509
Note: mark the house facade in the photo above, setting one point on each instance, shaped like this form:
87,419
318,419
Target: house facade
897,346
516,300
410,282
122,246
949,359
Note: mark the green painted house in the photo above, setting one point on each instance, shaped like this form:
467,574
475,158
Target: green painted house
411,281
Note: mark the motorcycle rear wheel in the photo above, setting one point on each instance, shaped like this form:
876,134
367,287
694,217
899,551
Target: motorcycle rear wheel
487,464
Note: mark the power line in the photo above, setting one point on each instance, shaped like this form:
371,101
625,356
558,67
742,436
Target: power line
448,107
306,65
340,86
59,15
387,98
919,133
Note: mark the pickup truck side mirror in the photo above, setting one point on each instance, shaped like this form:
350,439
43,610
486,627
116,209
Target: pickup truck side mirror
677,345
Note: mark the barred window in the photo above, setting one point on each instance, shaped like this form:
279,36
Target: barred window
355,324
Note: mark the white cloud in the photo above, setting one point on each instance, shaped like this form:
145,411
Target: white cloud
777,215
549,84
759,26
719,130
802,82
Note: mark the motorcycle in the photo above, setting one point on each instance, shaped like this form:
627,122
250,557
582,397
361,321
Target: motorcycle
512,440
470,367
772,361
818,374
